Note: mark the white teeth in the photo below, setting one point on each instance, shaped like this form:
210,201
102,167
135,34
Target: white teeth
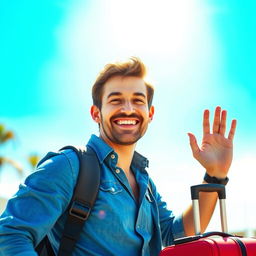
132,122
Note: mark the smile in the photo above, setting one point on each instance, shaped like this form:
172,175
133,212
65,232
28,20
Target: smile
126,121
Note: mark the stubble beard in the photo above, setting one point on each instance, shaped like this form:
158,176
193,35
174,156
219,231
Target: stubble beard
118,137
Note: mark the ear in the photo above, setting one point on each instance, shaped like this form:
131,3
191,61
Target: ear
151,113
95,113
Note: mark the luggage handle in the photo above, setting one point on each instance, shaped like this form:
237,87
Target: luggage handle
197,237
220,189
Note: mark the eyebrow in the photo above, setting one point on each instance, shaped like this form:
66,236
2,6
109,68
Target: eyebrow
140,94
119,94
114,94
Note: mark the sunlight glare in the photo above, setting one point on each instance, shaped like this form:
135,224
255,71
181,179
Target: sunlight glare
162,27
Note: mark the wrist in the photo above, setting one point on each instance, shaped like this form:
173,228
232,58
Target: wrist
215,180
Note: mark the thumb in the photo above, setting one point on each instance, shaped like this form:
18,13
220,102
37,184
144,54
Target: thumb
193,144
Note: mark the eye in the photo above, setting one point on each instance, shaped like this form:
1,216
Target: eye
115,101
139,101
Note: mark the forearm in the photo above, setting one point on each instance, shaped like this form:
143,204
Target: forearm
37,205
207,203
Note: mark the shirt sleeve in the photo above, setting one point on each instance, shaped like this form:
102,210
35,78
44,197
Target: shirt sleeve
171,226
37,205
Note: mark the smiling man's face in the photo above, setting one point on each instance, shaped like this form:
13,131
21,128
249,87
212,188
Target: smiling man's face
124,115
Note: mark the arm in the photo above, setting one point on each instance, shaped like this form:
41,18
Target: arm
215,155
170,226
35,208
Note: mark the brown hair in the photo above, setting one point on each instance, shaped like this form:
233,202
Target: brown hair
133,67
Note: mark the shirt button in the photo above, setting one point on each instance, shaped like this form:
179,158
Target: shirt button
113,156
117,171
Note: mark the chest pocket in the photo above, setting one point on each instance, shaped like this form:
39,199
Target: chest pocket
111,187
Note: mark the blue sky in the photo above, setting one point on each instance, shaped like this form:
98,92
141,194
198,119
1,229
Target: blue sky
199,54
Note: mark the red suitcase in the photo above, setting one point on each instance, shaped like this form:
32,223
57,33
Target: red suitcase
211,243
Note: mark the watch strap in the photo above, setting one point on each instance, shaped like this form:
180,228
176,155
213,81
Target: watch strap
212,179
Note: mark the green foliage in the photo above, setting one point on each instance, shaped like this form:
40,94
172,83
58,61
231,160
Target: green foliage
6,136
33,159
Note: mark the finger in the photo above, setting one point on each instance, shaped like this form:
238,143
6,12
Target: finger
206,123
193,144
223,122
232,130
216,121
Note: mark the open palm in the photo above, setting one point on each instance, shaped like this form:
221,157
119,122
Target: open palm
216,151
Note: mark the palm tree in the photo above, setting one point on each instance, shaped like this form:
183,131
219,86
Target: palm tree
6,136
33,160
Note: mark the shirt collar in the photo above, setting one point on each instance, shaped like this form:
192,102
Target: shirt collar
102,150
139,161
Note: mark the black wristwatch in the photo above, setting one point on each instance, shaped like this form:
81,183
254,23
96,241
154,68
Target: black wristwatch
210,179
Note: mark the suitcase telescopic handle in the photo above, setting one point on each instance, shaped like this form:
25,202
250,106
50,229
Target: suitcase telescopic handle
220,189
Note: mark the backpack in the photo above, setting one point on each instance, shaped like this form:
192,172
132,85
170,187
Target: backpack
81,204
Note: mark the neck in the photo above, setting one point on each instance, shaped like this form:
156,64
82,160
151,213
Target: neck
125,155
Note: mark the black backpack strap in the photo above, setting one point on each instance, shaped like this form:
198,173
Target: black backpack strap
44,248
150,188
84,196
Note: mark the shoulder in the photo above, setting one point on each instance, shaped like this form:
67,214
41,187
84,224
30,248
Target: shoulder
152,186
58,158
60,166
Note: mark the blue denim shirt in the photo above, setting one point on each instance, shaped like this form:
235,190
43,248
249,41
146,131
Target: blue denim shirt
118,224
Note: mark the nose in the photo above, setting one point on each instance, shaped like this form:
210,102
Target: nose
128,108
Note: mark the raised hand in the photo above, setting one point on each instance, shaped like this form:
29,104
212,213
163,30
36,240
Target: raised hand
216,151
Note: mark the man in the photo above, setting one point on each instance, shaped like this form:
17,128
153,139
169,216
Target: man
127,219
